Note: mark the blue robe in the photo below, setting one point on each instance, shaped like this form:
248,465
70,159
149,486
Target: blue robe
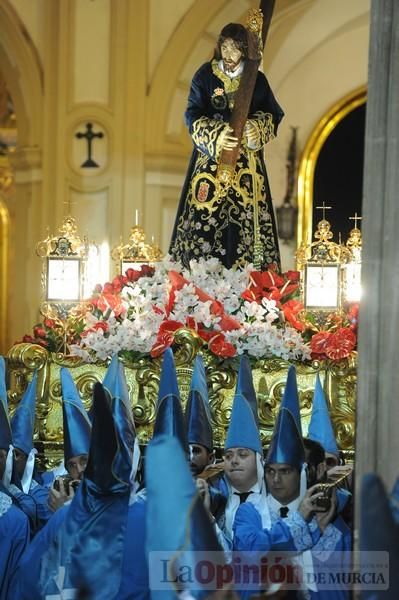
34,505
291,535
134,580
25,584
208,225
14,538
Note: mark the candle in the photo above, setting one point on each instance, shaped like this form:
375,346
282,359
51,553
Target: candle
137,217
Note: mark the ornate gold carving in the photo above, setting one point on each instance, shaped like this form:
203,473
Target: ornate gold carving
143,376
136,250
66,243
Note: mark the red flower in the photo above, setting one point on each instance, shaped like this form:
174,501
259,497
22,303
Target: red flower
318,343
49,323
253,294
132,275
165,337
353,316
39,332
108,288
292,275
100,325
118,283
191,323
265,279
291,309
147,271
221,347
340,344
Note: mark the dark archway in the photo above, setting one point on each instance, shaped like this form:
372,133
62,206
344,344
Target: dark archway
338,175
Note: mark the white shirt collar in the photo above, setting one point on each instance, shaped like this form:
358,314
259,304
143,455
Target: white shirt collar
232,74
275,505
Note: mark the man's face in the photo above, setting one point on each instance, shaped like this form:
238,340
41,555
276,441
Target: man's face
20,459
76,466
282,482
331,460
231,55
3,458
200,457
240,468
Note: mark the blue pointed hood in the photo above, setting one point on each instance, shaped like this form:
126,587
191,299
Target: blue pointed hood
90,541
176,519
5,427
245,385
198,415
291,397
124,423
116,385
320,427
77,426
169,418
104,444
242,431
168,382
23,421
115,382
286,446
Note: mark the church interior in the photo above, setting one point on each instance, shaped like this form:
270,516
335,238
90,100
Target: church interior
94,148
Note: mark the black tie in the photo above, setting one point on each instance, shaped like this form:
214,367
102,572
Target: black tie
284,512
243,496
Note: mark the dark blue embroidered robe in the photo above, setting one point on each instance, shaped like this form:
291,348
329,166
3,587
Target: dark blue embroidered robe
223,227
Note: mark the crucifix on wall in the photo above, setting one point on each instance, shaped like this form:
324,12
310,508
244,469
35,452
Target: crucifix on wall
89,135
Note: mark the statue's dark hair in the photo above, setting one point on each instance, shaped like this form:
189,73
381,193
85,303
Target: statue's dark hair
236,32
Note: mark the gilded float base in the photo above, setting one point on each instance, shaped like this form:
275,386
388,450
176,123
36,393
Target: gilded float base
269,375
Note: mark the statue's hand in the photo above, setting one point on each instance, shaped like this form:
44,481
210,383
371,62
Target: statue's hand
251,134
226,140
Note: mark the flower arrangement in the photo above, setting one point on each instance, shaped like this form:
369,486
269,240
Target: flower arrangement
232,311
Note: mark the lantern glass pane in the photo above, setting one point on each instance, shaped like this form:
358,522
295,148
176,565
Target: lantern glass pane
63,279
322,286
353,288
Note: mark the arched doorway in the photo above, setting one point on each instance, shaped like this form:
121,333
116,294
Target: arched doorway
331,168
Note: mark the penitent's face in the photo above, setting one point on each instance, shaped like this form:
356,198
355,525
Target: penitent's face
231,55
200,457
282,482
76,466
240,468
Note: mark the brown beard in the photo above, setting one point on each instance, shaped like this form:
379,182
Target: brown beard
231,66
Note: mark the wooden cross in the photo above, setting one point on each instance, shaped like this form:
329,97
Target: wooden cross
356,219
324,208
89,135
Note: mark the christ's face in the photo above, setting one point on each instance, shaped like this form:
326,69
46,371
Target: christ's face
231,55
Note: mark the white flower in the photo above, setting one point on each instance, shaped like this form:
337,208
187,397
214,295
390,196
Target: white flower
146,305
